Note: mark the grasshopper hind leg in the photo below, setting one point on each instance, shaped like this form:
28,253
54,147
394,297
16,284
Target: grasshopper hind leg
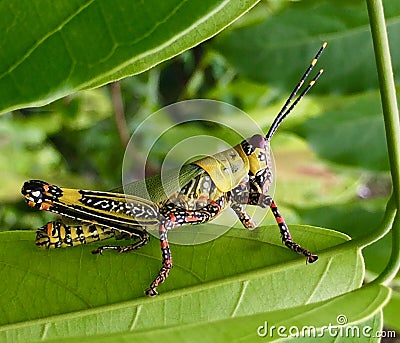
143,240
166,258
175,216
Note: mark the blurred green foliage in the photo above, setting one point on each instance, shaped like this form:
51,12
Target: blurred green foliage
332,166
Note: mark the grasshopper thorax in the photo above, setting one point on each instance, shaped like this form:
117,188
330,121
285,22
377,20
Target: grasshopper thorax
258,153
259,162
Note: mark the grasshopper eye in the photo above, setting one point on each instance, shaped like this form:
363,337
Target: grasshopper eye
257,141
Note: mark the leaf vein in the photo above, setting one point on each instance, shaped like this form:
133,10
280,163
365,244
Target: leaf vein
160,47
40,41
135,318
241,297
320,280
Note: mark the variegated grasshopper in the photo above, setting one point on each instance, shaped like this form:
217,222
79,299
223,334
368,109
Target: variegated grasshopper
233,178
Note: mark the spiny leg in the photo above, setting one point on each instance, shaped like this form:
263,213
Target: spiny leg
239,197
143,240
287,238
166,258
267,201
175,216
243,216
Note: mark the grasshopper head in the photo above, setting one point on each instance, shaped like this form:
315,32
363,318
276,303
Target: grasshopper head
258,154
257,148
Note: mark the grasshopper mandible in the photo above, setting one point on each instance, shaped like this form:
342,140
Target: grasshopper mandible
232,178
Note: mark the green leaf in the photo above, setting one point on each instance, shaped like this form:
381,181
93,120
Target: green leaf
271,51
391,312
355,313
351,134
240,273
54,48
353,306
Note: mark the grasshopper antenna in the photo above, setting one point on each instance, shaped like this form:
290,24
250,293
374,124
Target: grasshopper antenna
285,110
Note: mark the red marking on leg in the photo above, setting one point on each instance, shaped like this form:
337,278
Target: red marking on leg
172,217
45,206
214,203
168,263
31,203
192,218
164,244
279,220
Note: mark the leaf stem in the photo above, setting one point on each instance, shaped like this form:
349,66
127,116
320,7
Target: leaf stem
393,265
119,112
392,128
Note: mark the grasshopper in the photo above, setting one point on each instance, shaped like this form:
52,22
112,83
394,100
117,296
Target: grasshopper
233,178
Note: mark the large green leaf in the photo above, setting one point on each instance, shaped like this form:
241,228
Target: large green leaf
52,48
352,315
240,273
298,31
312,320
